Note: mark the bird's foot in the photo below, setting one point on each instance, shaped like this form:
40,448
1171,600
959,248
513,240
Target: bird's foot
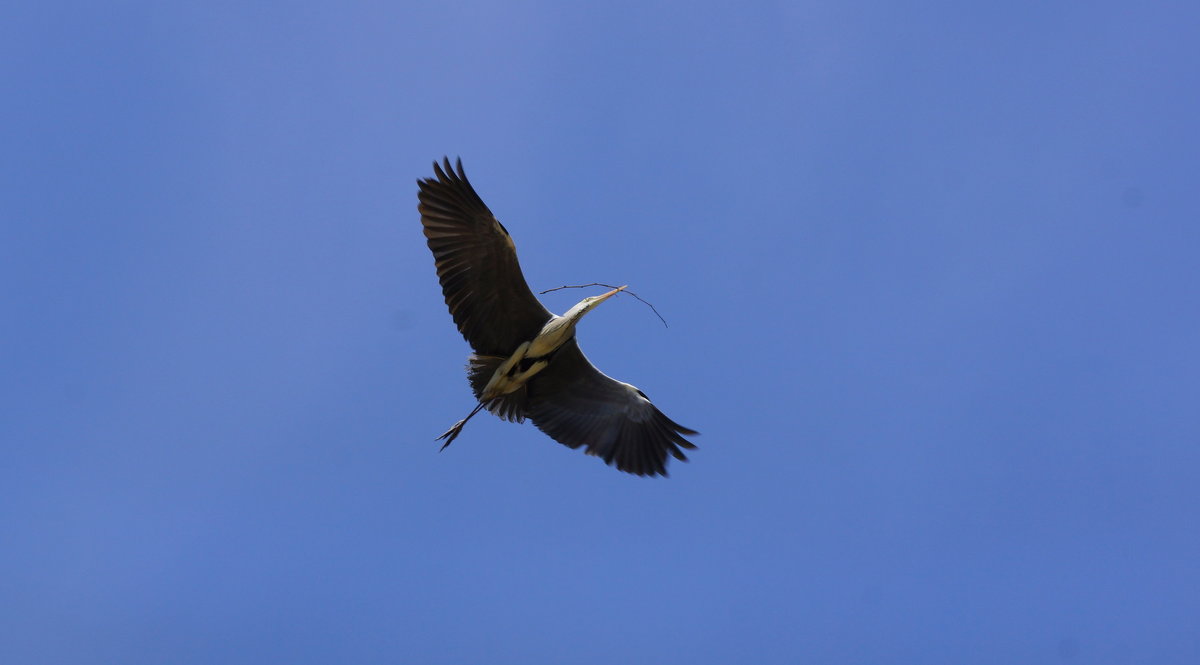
451,434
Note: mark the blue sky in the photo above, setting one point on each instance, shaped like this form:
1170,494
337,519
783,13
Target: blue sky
930,272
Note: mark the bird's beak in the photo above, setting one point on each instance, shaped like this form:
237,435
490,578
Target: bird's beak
601,298
588,304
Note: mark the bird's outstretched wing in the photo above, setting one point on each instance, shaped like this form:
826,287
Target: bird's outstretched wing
477,265
578,405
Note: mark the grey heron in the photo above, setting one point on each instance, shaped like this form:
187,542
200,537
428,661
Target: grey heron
526,363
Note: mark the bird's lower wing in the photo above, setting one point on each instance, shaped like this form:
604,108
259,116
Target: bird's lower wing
578,405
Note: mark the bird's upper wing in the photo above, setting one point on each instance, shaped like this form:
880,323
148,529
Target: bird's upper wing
578,405
477,265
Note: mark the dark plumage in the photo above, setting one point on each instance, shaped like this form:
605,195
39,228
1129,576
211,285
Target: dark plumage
565,396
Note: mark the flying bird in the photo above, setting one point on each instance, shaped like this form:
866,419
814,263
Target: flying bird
526,363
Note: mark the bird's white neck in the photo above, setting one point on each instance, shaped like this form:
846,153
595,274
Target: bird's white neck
559,330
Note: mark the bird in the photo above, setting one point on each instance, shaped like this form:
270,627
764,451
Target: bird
525,361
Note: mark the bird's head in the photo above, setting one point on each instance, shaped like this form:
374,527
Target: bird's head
589,303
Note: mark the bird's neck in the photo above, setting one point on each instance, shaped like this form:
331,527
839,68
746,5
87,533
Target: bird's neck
557,331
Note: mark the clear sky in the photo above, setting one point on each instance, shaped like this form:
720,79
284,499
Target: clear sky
930,270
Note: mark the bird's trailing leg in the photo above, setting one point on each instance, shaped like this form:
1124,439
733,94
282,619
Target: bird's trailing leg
500,384
454,431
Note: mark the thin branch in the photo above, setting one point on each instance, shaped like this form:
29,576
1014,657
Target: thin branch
608,286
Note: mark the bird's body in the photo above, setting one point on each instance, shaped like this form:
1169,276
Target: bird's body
526,363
